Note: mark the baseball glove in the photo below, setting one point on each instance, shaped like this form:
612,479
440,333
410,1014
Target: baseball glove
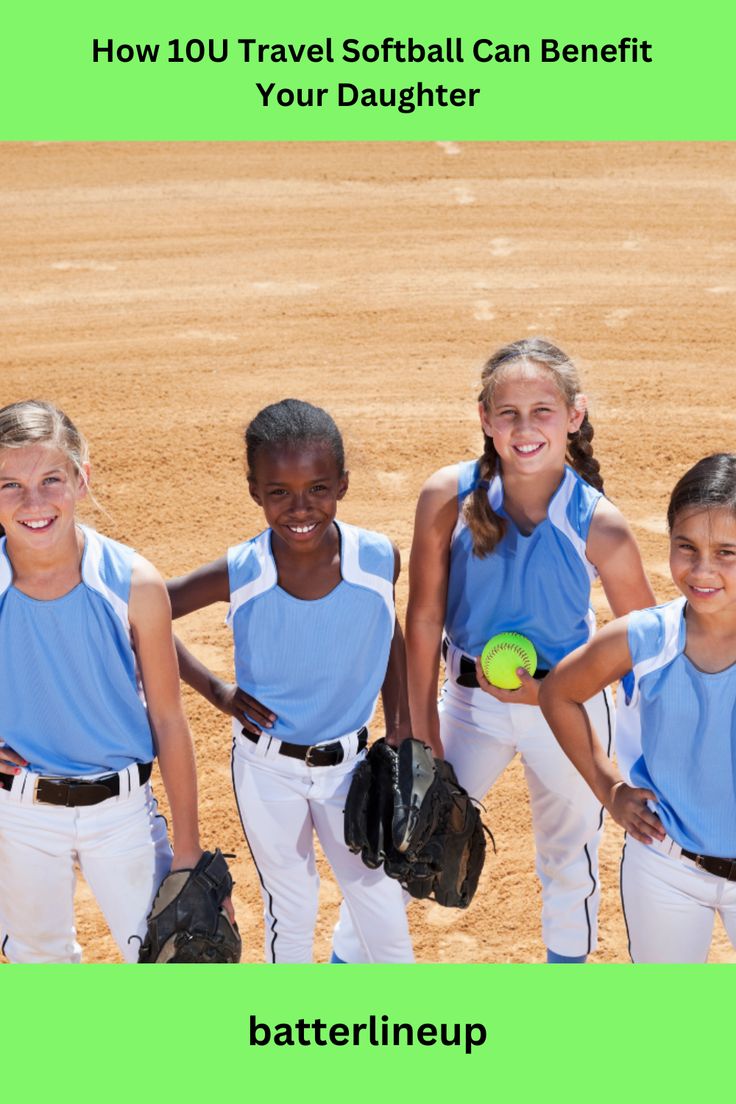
187,922
407,811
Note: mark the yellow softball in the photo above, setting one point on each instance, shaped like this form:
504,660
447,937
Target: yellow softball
503,654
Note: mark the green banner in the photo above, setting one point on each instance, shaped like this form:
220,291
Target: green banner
234,71
434,1033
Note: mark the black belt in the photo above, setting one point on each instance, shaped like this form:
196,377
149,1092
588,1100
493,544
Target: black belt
467,675
314,755
722,868
78,791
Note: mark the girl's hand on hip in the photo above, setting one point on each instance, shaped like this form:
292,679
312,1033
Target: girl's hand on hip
527,694
247,710
628,807
10,761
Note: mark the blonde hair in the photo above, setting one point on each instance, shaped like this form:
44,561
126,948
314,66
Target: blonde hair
34,422
485,525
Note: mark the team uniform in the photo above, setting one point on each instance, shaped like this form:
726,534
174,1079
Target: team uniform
73,707
678,725
538,585
320,666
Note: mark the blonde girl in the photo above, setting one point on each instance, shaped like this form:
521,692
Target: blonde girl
90,691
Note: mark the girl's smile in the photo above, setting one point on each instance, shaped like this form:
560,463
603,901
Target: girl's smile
298,490
39,490
529,419
703,558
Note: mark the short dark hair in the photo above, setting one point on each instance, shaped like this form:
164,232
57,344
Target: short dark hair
289,424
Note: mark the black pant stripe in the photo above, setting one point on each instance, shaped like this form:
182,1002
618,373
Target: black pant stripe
274,925
609,744
623,903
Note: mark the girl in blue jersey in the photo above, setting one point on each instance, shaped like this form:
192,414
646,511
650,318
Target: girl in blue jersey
90,693
512,541
677,712
312,614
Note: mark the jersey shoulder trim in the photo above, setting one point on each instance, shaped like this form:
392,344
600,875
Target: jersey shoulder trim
367,560
571,511
251,570
656,636
107,567
467,478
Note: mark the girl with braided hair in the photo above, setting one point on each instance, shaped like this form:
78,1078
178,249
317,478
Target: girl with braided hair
512,542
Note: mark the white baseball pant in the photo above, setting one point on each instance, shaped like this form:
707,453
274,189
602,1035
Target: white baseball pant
282,802
670,904
481,736
120,845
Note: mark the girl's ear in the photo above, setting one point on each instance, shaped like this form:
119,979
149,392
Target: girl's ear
342,486
577,413
254,493
83,480
484,420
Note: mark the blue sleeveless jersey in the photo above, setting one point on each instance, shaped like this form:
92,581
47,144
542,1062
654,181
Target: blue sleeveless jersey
680,726
72,702
538,585
319,665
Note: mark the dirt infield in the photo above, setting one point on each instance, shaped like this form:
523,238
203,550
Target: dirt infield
162,294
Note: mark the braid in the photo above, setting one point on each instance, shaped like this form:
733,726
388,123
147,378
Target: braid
580,452
485,526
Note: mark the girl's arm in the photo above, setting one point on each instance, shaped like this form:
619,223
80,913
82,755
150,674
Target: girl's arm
204,587
612,549
429,569
576,679
393,692
150,621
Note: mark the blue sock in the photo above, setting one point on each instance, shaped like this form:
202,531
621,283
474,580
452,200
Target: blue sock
552,957
334,960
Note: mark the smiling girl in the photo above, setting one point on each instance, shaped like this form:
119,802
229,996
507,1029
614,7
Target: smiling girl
90,694
513,541
312,613
677,663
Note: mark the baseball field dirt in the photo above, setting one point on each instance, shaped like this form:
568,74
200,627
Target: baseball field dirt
162,294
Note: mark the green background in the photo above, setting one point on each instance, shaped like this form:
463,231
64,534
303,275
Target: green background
604,1033
58,93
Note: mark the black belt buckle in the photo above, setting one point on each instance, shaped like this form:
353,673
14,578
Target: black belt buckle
315,755
721,868
324,755
72,792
